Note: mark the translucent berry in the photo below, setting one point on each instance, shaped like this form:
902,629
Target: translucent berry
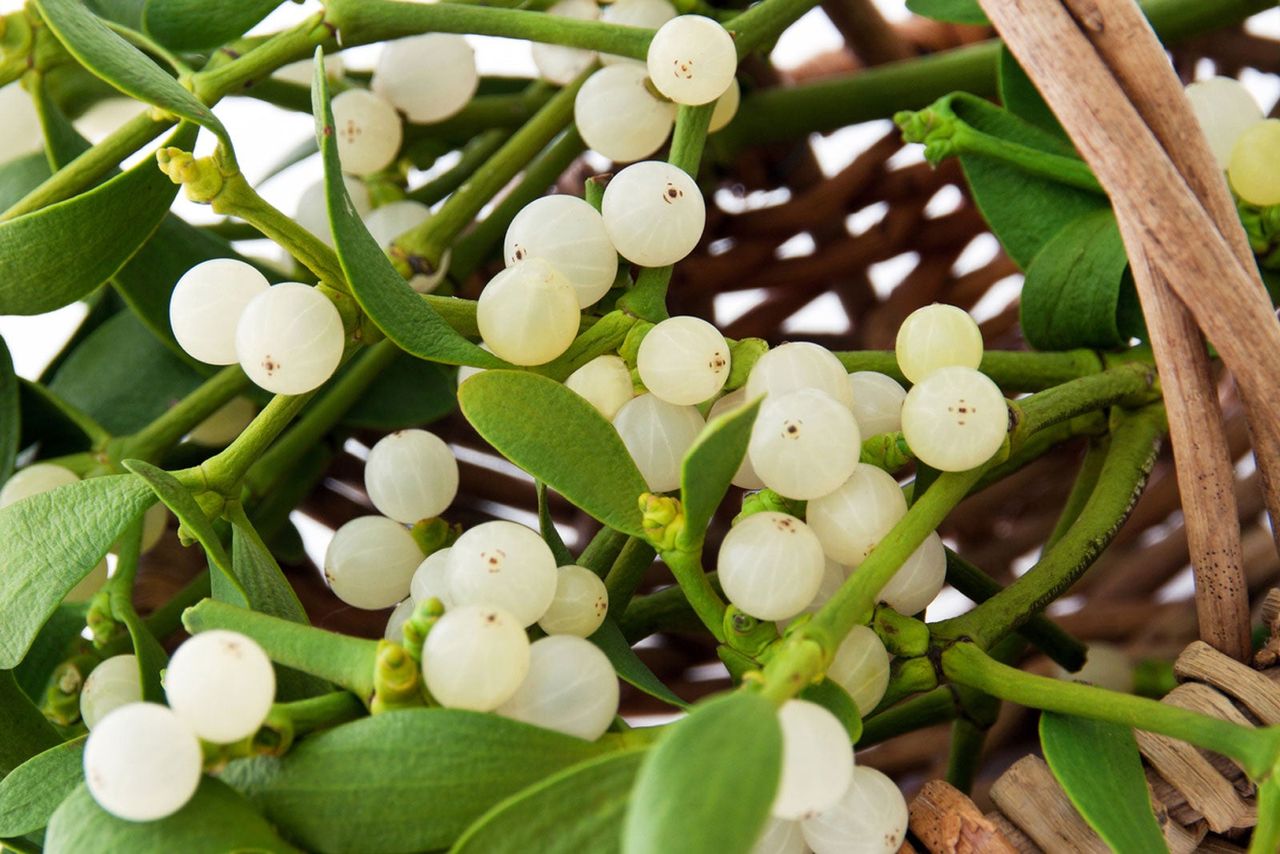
504,565
605,382
726,107
431,579
370,562
781,836
34,480
692,59
411,475
290,339
804,444
877,403
684,360
568,234
1224,110
745,476
1255,164
302,72
207,304
817,760
955,419
368,130
559,64
475,657
797,365
770,565
580,604
570,688
221,684
919,580
852,519
395,623
654,213
658,435
112,684
428,78
619,117
870,818
937,336
861,667
223,426
142,763
648,14
528,314
391,220
313,215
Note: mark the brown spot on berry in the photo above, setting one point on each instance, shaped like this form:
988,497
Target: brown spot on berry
270,365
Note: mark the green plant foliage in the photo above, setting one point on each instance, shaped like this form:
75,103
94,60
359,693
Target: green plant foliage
48,420
1021,97
409,393
707,785
30,794
951,11
10,414
194,24
837,701
26,732
59,635
20,176
709,467
629,667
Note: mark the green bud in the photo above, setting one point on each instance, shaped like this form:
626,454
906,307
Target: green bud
743,355
766,500
902,636
100,620
747,634
419,625
934,126
888,451
435,534
397,679
61,702
593,188
663,520
630,348
200,178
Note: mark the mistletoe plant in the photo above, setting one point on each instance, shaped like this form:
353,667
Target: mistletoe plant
487,717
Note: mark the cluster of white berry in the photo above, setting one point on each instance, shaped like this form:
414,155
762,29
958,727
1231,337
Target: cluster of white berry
143,761
1245,143
825,802
288,338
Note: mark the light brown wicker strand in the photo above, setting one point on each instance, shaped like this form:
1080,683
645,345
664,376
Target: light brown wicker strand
944,819
1173,242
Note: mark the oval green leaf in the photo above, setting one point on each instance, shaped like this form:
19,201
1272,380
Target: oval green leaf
707,786
547,526
629,667
56,255
1021,97
709,467
409,393
837,701
56,425
559,438
20,176
30,794
26,732
950,11
409,780
194,24
123,66
216,820
1098,765
578,810
394,307
10,414
1075,289
49,542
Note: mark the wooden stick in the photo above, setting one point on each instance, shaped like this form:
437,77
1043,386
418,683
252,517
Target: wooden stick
947,822
1171,242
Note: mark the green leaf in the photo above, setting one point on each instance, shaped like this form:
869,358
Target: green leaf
951,11
836,700
1073,288
51,647
10,414
629,667
194,24
1023,210
30,794
548,527
1021,97
269,592
20,176
1098,766
126,12
394,307
58,254
25,730
578,810
409,393
216,820
62,142
707,786
49,542
56,425
123,377
409,780
120,64
183,505
530,420
710,465
150,654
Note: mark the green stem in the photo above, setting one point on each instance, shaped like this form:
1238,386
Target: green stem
321,712
474,155
224,471
1266,836
1134,445
429,241
160,435
365,21
603,550
1046,635
626,574
764,22
1035,446
686,566
343,660
935,707
648,298
1255,750
152,47
1132,384
606,335
1082,488
965,753
1012,370
329,408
